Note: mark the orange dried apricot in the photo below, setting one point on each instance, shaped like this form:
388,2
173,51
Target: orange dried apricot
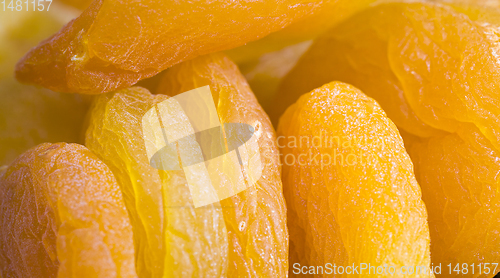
113,44
435,71
62,215
255,218
457,172
351,193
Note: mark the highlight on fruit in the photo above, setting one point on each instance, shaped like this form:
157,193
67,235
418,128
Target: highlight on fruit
337,138
187,126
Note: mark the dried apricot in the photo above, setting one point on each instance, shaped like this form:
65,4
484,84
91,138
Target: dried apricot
63,215
244,235
255,218
166,225
103,50
457,172
171,237
435,71
351,193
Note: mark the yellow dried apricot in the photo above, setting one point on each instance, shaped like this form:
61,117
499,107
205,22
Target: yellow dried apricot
351,193
62,215
244,235
255,218
166,225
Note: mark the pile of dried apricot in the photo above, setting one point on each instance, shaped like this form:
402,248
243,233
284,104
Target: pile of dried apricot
147,154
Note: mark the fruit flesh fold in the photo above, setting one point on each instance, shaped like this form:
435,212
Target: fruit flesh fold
363,204
63,215
171,237
255,218
435,71
103,50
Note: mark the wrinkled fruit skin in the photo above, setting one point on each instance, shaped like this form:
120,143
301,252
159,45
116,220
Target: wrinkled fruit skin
62,215
364,209
359,202
103,50
166,225
242,236
255,218
435,72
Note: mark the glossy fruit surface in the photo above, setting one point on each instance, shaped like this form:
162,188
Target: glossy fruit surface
255,218
244,235
62,215
435,72
349,184
113,44
171,237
